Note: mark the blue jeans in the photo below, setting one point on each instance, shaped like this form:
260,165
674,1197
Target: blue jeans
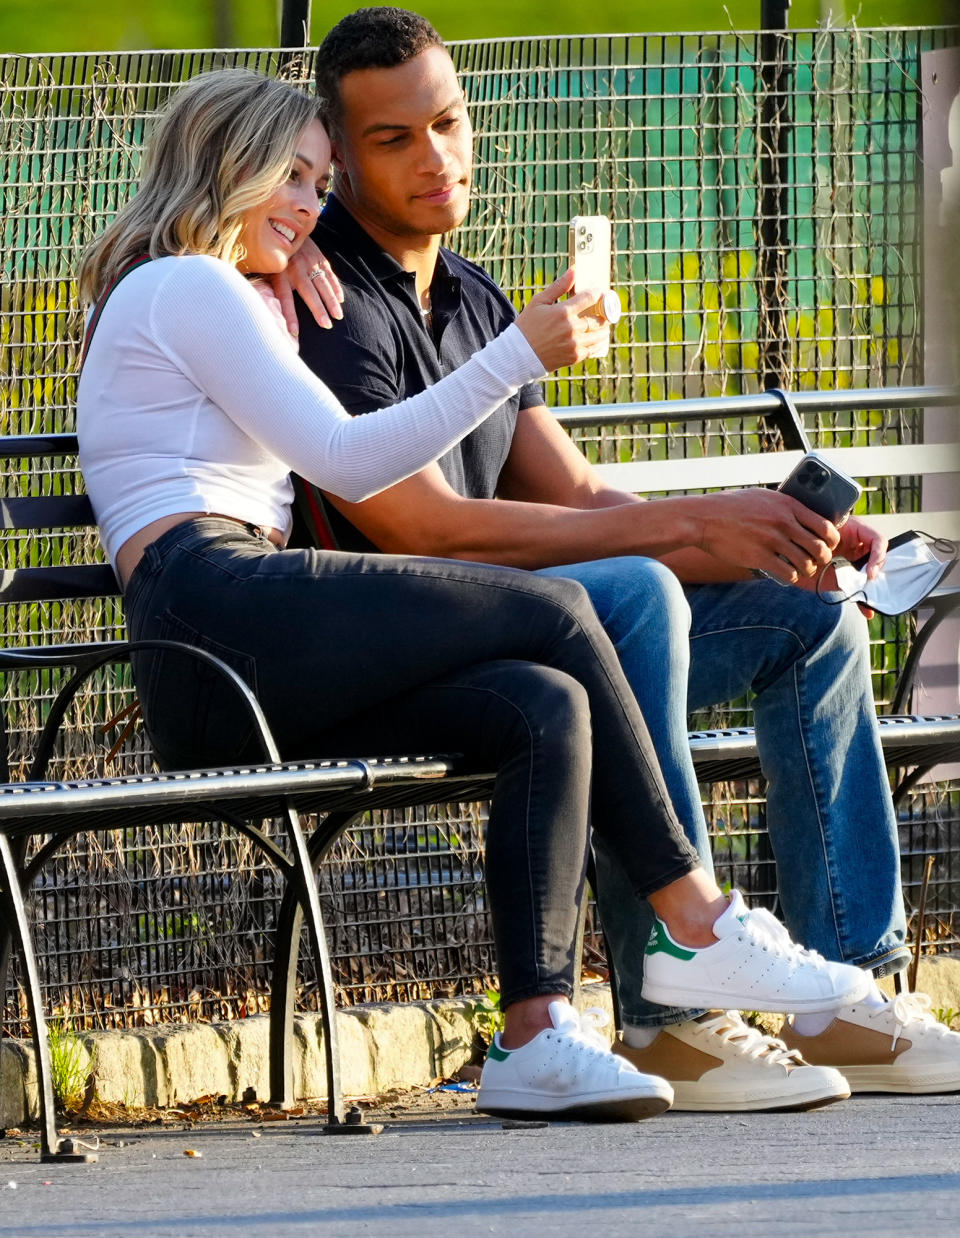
829,811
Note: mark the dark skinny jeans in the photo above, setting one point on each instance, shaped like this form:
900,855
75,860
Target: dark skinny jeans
377,655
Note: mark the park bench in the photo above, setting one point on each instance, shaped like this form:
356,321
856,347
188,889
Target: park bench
912,743
337,791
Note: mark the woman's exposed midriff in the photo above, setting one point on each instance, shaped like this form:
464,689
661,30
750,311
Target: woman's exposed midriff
131,552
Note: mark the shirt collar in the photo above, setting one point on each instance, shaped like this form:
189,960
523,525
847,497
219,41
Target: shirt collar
446,285
380,264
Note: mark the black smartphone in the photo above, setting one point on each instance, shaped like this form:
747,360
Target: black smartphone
824,489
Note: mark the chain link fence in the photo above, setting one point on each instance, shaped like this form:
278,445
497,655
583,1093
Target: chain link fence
693,145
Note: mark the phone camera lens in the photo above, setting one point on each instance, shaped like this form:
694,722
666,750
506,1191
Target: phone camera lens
812,476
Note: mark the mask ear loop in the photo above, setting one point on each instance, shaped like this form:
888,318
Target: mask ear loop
944,546
844,597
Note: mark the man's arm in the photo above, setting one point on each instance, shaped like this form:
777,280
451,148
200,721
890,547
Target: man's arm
555,509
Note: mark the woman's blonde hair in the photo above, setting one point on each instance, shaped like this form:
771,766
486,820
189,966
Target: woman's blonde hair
222,144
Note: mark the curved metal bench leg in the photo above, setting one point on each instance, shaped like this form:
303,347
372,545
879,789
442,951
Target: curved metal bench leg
51,1147
283,993
909,781
17,852
289,923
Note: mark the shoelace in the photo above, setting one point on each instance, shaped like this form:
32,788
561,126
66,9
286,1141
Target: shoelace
585,1030
748,1041
775,936
910,1008
591,1021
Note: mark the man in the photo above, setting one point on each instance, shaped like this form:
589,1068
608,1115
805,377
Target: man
518,493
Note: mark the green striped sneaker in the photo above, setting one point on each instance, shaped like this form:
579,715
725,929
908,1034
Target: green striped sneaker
567,1072
753,965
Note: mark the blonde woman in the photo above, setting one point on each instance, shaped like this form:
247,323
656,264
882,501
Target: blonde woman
192,411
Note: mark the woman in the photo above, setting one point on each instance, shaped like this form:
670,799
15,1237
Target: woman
193,409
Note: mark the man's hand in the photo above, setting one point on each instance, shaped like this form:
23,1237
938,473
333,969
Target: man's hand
766,530
858,538
310,274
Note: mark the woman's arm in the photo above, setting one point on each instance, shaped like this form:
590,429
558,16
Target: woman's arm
214,327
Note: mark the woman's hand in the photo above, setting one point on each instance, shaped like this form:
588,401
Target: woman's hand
560,332
310,274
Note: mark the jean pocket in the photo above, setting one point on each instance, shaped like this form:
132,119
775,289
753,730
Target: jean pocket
194,716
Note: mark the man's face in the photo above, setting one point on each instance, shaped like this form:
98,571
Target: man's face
404,155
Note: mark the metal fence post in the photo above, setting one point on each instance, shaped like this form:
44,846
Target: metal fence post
773,236
295,23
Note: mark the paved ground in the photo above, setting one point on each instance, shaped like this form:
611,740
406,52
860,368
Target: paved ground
874,1165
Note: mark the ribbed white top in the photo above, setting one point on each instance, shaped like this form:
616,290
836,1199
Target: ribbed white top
191,400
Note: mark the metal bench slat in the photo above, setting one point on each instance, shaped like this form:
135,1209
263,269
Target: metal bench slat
730,754
47,511
30,446
770,468
61,809
58,583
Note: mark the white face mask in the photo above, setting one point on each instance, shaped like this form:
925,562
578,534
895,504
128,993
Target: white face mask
915,565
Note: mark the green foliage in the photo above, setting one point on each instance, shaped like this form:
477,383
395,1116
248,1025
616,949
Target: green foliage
488,1017
71,1065
946,1015
107,25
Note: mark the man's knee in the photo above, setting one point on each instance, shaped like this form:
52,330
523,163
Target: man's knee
663,592
631,590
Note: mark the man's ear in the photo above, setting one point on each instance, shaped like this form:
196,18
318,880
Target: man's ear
336,155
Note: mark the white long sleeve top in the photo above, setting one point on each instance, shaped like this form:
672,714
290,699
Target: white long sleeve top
191,400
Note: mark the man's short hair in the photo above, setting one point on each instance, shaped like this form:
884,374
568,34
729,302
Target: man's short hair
374,38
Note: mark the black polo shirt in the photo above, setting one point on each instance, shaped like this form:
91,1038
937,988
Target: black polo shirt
382,351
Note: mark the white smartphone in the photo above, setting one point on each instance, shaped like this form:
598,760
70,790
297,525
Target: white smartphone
590,252
590,257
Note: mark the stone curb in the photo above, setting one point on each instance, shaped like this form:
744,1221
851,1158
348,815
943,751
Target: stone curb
382,1047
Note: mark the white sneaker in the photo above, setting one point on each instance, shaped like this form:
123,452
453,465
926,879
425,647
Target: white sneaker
719,1063
754,965
567,1071
896,1047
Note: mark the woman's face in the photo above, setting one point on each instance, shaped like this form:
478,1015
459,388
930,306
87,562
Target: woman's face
276,229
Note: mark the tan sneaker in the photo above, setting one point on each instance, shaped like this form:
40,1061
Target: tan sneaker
719,1063
896,1047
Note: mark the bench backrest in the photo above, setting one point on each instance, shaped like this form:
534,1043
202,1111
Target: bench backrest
873,463
61,568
